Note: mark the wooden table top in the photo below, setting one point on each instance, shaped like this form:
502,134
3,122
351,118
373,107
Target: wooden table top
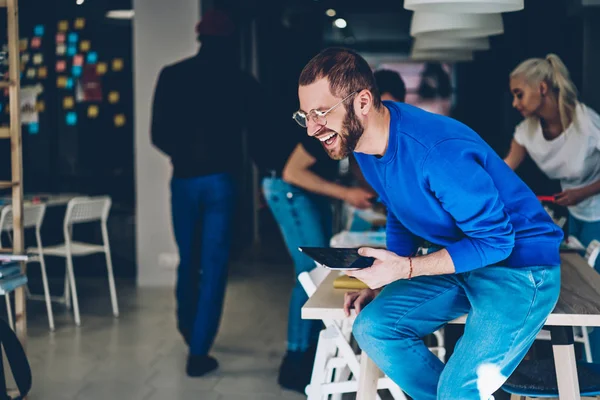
578,305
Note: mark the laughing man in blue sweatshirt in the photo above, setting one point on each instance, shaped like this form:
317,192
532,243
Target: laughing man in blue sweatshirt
499,258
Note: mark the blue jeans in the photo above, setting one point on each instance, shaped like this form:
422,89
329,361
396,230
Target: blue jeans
586,232
305,219
202,210
506,309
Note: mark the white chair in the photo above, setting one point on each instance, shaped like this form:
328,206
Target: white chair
592,252
33,217
84,210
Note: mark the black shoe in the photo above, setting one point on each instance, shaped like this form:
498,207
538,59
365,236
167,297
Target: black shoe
296,369
200,365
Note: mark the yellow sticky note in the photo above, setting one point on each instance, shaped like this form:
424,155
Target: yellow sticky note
119,120
117,64
79,23
101,68
40,106
113,97
61,49
92,111
31,73
84,45
68,103
63,26
23,44
61,81
38,59
42,72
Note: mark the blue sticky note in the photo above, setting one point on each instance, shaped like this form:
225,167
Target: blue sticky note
92,57
72,38
71,50
34,128
71,118
38,30
76,70
69,84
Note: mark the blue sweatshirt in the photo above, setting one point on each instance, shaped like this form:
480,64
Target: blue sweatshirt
441,182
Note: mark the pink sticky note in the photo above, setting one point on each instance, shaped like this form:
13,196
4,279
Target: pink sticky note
60,38
78,60
36,42
61,65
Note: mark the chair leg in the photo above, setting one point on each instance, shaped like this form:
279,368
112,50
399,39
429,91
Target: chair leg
67,292
313,390
73,289
11,323
111,277
586,344
45,282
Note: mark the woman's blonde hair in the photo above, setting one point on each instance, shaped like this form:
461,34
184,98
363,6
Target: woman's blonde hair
552,71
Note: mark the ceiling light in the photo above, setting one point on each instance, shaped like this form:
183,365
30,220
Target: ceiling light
444,43
340,23
441,55
120,14
455,25
464,6
79,2
330,13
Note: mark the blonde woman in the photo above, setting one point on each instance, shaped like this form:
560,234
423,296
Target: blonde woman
562,136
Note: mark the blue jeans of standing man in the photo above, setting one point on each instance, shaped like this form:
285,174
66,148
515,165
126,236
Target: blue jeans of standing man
305,219
202,210
506,309
586,231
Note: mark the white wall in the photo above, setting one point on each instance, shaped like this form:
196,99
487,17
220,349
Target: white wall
163,33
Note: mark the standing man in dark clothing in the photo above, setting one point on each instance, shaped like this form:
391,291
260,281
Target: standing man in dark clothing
193,124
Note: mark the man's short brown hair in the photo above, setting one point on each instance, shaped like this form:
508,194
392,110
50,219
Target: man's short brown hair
346,71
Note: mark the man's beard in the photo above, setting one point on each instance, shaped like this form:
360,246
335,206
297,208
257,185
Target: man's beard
353,131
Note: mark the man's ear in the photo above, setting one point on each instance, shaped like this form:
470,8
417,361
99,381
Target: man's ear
364,102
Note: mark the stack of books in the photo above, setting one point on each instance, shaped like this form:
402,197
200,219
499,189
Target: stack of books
11,276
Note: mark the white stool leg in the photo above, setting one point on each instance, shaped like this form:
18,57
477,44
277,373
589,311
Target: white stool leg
111,277
313,390
586,344
9,311
45,282
73,288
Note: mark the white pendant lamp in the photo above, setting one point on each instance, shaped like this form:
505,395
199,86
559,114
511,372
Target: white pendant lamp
455,25
444,43
441,55
464,6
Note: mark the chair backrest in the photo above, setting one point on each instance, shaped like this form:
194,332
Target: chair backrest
592,252
87,209
33,216
312,279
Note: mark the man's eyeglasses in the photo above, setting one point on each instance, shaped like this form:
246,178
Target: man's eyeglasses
316,116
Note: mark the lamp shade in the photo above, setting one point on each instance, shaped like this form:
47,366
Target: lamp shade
456,25
464,6
441,55
444,43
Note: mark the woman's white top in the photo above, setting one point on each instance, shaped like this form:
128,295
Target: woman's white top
573,157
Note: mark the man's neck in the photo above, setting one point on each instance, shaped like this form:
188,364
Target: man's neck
375,138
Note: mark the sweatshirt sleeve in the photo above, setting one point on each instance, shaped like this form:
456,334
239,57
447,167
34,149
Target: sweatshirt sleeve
454,171
399,240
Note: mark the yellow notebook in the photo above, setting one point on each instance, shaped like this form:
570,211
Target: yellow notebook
348,282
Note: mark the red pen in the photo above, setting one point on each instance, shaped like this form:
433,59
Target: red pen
550,199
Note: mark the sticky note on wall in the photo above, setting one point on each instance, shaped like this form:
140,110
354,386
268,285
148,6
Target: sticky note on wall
42,72
60,37
71,118
93,111
34,128
101,68
84,45
71,50
92,57
72,38
36,43
40,106
78,60
68,103
61,81
117,64
63,26
79,23
61,49
23,44
38,58
119,120
76,70
61,65
30,73
113,97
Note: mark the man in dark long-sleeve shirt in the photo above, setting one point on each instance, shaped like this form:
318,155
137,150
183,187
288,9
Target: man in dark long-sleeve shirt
194,124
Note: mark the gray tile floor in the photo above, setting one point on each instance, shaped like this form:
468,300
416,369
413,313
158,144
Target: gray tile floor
140,356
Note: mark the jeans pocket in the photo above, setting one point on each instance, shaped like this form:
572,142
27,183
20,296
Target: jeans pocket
537,276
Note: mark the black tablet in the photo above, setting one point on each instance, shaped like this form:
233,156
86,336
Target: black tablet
338,258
